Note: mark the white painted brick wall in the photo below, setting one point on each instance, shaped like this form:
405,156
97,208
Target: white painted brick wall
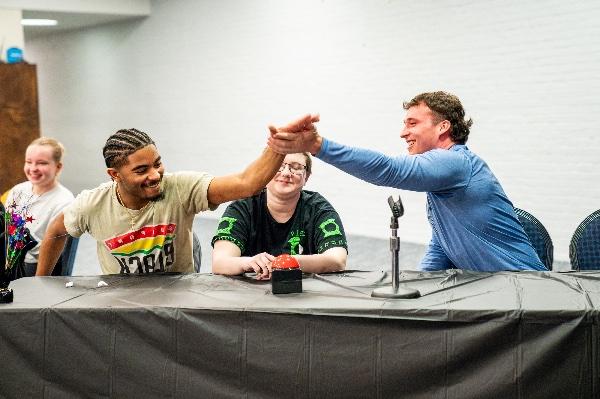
206,77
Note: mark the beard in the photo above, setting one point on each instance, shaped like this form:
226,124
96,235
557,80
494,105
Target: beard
159,197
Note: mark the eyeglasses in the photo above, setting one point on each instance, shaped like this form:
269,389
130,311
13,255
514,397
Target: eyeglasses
294,167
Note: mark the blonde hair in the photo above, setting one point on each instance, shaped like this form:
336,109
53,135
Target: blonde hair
58,150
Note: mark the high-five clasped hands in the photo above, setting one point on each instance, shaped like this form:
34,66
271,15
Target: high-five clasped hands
298,136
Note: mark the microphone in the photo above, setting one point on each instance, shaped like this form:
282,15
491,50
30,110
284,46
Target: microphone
395,291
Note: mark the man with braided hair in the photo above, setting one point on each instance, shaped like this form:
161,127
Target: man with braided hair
142,219
282,219
474,225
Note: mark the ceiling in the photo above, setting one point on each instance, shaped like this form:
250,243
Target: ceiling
70,21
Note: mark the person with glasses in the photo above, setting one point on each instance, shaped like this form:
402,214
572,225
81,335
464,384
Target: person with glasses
282,219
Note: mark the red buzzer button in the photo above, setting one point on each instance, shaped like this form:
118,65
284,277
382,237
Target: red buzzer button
285,261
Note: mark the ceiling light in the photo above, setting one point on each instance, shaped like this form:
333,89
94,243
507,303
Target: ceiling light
38,22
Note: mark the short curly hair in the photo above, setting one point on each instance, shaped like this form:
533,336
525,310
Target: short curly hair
445,106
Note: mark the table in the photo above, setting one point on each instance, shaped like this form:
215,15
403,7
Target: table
470,335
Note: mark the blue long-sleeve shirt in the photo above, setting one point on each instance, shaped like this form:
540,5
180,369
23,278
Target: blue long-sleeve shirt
473,222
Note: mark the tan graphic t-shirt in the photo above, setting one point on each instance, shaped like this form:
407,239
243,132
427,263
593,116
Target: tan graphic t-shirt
161,238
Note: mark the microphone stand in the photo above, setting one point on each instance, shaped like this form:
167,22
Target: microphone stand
395,291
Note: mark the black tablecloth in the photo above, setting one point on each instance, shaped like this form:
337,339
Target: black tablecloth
504,335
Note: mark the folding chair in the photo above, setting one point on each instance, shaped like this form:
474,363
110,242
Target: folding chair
584,250
538,236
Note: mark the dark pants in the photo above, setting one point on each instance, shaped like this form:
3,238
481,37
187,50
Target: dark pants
29,269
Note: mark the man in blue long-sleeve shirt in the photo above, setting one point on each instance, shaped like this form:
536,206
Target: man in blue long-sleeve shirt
474,225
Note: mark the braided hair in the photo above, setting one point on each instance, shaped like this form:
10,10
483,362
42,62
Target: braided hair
122,144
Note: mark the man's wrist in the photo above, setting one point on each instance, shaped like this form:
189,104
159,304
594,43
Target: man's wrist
317,145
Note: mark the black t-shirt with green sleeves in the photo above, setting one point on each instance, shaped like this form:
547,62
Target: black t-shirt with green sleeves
314,227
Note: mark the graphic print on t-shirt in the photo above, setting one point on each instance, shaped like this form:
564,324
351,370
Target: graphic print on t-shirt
149,249
296,237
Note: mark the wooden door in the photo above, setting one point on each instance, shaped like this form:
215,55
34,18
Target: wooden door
19,120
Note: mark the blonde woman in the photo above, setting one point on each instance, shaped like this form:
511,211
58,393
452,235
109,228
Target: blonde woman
41,197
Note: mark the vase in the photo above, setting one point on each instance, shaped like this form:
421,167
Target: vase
6,294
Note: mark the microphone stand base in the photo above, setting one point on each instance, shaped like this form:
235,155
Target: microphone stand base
400,293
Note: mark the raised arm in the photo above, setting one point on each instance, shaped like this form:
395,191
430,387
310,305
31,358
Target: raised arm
52,246
249,182
256,175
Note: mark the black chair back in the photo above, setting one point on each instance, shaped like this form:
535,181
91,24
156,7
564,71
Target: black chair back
64,266
584,250
538,236
197,252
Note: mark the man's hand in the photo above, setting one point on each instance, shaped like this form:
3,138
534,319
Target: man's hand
298,136
261,264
